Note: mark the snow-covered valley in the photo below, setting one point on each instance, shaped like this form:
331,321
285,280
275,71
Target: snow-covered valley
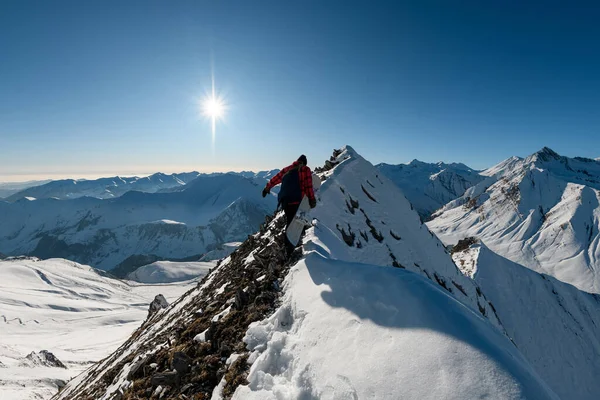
70,310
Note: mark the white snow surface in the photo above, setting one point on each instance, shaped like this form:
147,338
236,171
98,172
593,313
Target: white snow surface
358,331
352,327
171,271
69,310
555,325
542,212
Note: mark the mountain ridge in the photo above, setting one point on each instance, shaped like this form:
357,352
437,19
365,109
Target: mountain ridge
541,211
429,186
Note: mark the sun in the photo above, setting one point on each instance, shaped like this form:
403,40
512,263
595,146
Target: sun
213,107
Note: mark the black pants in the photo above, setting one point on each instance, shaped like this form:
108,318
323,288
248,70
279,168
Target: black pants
290,212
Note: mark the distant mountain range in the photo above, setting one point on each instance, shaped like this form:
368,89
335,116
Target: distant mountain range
9,188
112,187
428,186
103,188
197,217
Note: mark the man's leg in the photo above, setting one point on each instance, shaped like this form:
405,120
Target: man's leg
290,212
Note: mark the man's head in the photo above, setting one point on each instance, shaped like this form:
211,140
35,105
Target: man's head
302,160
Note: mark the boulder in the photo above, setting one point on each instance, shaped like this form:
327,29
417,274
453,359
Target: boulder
157,304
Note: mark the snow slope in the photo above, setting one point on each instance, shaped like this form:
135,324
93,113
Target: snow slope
375,308
168,271
69,310
555,325
208,212
542,212
103,188
429,186
359,331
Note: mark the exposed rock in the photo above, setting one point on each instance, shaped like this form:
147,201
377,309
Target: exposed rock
59,383
241,298
248,286
136,367
44,358
170,378
157,304
181,362
463,244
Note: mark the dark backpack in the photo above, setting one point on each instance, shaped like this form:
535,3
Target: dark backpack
290,191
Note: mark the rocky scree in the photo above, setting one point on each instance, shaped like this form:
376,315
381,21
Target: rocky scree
188,359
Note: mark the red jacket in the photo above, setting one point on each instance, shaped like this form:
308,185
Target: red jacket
305,174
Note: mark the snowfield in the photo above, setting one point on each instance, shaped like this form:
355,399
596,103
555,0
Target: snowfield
69,310
168,271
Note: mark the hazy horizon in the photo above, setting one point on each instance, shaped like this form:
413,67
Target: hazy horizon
23,178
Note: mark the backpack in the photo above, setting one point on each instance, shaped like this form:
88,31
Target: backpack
290,191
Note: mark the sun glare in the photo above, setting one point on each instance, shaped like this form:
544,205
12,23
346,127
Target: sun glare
213,107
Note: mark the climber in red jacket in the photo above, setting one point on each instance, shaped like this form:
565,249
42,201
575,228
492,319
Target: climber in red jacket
296,182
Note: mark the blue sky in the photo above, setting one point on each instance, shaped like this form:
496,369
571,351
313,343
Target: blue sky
92,88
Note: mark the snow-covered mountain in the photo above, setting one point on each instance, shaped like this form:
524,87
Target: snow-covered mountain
553,324
542,212
103,188
209,211
9,188
371,307
57,308
428,186
260,174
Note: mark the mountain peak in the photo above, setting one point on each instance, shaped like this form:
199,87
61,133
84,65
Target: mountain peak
547,154
416,162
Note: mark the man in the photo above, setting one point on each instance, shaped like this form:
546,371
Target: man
296,182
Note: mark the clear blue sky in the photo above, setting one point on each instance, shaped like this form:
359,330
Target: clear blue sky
105,87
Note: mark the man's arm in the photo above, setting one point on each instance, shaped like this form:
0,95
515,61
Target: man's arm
306,183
